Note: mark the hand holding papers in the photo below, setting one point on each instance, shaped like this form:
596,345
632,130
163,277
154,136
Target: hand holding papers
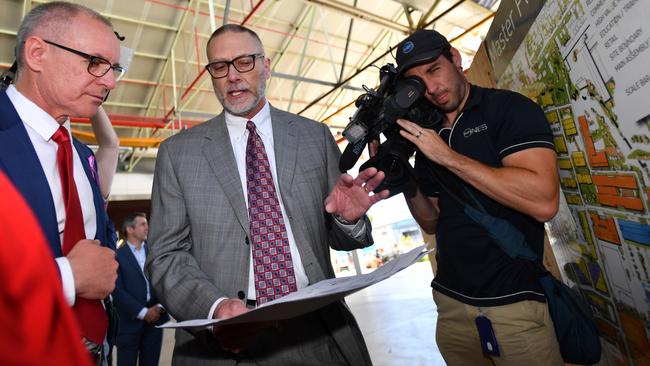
312,297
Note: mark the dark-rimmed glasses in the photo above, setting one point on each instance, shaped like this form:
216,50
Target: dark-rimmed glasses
97,66
220,69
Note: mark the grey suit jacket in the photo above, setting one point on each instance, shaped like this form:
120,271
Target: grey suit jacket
199,226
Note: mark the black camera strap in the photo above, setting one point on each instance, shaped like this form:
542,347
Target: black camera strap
510,239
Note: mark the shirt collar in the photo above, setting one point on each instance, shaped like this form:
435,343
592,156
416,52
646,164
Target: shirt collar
133,247
237,124
474,98
33,116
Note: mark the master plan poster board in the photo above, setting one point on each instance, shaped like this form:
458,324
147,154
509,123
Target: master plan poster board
587,63
312,297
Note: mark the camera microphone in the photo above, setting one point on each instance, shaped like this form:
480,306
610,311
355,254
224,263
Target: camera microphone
351,155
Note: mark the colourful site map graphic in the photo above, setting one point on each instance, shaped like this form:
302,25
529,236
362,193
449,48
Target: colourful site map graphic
587,63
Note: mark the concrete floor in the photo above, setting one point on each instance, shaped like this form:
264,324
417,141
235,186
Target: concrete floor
397,318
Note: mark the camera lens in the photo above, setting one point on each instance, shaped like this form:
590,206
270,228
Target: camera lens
394,170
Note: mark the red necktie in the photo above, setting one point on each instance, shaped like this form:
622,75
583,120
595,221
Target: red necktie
90,313
273,267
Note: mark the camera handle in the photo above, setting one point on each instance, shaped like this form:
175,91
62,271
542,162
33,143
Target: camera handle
392,158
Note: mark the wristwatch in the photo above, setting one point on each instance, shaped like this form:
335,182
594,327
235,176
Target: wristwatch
344,221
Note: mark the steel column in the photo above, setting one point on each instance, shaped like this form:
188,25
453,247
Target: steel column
347,45
226,12
213,23
302,58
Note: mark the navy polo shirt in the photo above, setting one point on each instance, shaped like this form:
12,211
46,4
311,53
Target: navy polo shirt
472,268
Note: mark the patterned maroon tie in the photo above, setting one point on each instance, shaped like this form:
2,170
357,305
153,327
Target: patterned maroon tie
273,266
90,313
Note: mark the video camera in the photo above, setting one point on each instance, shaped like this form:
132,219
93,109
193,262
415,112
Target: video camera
377,112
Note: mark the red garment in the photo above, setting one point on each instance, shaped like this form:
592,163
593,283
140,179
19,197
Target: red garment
36,325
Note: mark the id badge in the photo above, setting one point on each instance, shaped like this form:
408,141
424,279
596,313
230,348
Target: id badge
486,333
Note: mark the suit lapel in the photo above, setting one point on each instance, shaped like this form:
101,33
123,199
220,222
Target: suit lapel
218,152
286,148
21,164
133,262
130,269
286,145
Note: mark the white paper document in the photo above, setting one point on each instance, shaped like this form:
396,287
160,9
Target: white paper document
312,297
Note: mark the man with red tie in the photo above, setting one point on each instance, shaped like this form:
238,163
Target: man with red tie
67,58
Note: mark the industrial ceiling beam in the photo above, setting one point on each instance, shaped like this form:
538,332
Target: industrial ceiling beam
139,22
265,19
177,32
332,62
347,45
312,81
472,28
371,49
260,14
407,12
359,71
360,14
302,58
226,12
427,14
467,31
27,6
202,72
283,51
375,44
163,71
127,19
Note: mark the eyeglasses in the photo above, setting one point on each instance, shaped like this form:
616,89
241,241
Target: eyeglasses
97,66
220,69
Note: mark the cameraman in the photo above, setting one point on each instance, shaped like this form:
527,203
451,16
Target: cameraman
498,146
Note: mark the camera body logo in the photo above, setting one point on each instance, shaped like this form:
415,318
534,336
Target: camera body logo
468,132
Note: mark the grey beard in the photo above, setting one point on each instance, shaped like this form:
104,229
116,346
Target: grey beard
261,89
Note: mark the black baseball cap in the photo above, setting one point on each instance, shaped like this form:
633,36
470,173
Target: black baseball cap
424,45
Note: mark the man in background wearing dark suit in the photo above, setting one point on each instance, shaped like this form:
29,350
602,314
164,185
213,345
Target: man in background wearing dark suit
136,304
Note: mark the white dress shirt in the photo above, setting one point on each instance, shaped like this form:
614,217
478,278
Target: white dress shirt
239,138
141,256
41,127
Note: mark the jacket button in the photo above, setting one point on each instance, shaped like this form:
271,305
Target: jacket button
241,295
247,241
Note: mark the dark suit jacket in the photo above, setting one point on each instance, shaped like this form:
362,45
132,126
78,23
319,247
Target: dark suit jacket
18,160
199,246
130,293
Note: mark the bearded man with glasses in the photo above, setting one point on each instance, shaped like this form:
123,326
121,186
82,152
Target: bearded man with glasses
67,57
244,210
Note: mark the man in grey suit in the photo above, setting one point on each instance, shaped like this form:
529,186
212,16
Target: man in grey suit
205,233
